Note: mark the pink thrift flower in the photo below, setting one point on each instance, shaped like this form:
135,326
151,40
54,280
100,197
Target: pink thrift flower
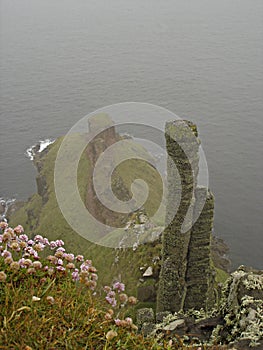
23,238
107,289
6,254
129,320
60,262
19,229
61,268
3,225
118,322
61,249
59,254
80,258
111,294
21,262
39,238
37,265
50,271
111,301
120,287
39,247
36,256
15,246
123,298
70,266
94,276
69,257
15,265
84,267
92,269
45,241
53,245
75,275
59,242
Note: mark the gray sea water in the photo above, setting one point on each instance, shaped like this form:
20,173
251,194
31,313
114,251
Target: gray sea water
61,60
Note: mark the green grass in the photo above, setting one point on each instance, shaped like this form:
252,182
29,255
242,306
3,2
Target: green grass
221,275
44,310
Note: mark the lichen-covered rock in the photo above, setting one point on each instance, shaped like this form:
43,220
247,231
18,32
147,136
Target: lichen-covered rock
174,324
145,320
144,315
199,274
242,310
186,278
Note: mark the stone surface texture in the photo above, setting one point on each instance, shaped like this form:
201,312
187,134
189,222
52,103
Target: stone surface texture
186,278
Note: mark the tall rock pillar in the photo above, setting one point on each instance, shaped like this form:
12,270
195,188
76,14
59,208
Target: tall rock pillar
186,277
200,275
182,170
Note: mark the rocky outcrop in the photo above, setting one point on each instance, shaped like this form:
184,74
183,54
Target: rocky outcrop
236,323
100,142
42,187
242,310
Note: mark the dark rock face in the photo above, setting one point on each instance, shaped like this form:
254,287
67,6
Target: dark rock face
219,251
99,144
186,277
42,188
146,291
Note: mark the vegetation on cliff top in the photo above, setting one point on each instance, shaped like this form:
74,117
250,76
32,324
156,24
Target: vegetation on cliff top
52,301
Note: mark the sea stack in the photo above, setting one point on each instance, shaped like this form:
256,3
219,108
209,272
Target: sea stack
186,277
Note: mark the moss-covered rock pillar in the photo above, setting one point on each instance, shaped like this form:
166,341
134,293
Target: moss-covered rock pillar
200,275
182,169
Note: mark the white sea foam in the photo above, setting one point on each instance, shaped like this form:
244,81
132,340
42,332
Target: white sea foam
5,204
38,148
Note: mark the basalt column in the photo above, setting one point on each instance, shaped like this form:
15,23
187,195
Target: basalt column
182,169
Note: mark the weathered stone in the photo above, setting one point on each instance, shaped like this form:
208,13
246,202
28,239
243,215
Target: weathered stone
173,325
242,310
147,328
148,272
144,316
186,278
199,276
161,315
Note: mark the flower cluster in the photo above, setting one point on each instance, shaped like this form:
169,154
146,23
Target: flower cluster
19,252
116,296
127,322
